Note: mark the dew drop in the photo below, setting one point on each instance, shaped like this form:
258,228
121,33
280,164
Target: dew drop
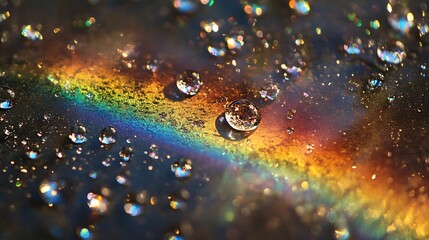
50,192
7,97
108,135
269,91
78,133
182,169
174,236
189,82
392,52
242,115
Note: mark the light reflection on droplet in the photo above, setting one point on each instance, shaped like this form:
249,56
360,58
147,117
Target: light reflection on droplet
7,97
392,52
98,203
108,135
182,169
50,192
78,134
29,32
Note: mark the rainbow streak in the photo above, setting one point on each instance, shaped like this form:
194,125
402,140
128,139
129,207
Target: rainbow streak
380,207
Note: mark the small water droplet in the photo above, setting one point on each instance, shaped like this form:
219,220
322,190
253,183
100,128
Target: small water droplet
375,82
242,115
269,91
290,130
423,27
152,65
342,234
29,32
50,192
32,151
182,169
126,153
154,151
122,179
7,97
392,52
93,174
302,7
186,6
78,133
400,17
189,82
108,135
98,203
85,234
353,46
174,236
291,114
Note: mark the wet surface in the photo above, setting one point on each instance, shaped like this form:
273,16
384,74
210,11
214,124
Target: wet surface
101,140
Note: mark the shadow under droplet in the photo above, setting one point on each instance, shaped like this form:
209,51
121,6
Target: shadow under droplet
226,131
171,92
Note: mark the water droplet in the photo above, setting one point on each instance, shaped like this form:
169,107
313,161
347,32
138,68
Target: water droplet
189,82
290,130
7,97
269,91
98,203
152,65
93,174
423,27
29,32
291,114
182,169
177,203
32,151
85,234
353,46
400,18
50,192
133,209
154,152
78,133
121,179
186,6
108,135
392,52
242,115
375,82
235,42
302,7
174,236
342,234
126,153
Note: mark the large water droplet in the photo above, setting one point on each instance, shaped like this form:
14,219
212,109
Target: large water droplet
98,203
189,82
392,52
108,135
50,192
78,133
182,169
242,115
269,91
7,97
